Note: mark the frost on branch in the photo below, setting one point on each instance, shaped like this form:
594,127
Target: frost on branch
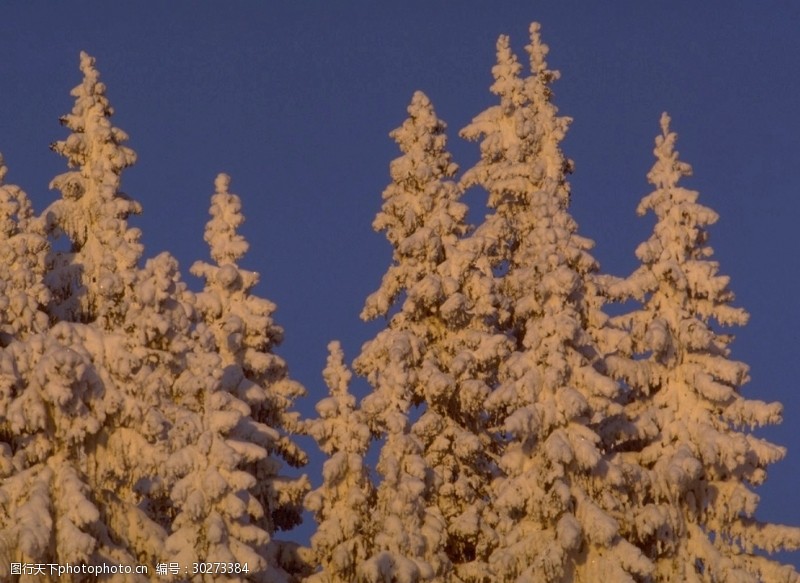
556,498
93,278
245,417
693,508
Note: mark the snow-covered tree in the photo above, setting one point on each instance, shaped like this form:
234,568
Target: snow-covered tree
62,401
693,509
134,323
521,434
23,251
45,395
343,504
416,203
91,278
434,362
232,494
558,493
136,419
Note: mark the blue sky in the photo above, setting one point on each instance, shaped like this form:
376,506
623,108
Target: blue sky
295,101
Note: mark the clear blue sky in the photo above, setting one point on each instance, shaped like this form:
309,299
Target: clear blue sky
295,100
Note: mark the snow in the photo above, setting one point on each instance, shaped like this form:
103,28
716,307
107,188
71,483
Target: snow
521,432
122,434
697,463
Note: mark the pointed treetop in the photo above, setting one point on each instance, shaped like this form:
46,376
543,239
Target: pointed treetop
423,131
91,75
95,149
677,257
421,215
665,176
664,122
95,142
419,101
92,211
222,182
667,170
520,140
340,426
421,138
553,127
336,374
227,246
423,142
537,51
507,83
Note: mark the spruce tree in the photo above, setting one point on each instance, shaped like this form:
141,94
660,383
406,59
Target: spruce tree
244,423
521,433
90,280
26,513
139,422
430,370
77,422
559,492
23,250
343,505
135,323
692,511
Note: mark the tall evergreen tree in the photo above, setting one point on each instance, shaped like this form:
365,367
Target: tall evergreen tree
434,362
343,505
245,423
558,493
134,323
693,511
522,434
64,401
135,417
90,279
26,518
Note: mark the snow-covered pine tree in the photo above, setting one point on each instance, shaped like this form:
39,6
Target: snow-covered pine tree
64,397
559,492
343,504
91,278
232,494
693,510
110,380
434,362
23,250
134,323
25,516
